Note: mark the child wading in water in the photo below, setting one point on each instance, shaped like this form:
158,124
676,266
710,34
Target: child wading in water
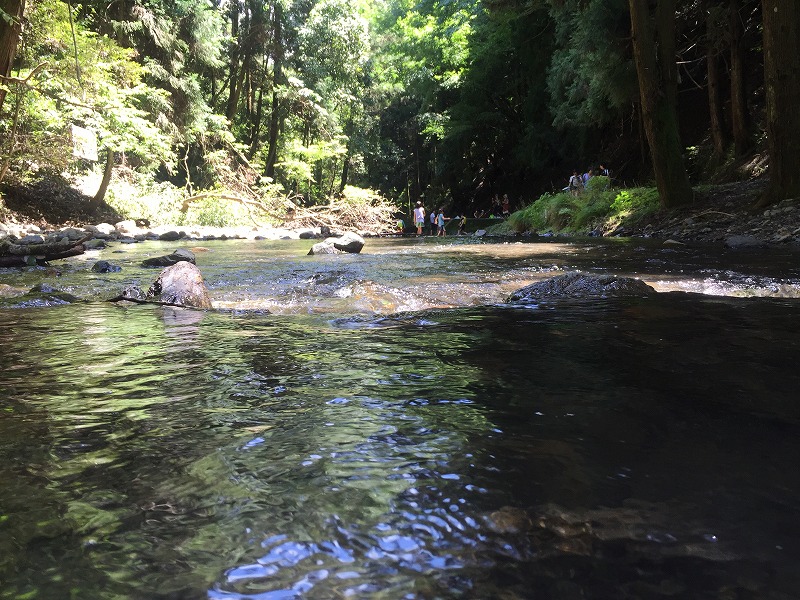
440,219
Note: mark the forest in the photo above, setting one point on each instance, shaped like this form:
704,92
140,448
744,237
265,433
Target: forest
154,105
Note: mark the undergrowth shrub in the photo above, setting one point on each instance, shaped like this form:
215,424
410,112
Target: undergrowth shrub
634,203
597,207
216,212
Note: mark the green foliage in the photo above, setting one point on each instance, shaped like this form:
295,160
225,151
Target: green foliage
635,202
550,212
216,212
592,77
103,92
597,207
455,99
421,51
498,130
137,196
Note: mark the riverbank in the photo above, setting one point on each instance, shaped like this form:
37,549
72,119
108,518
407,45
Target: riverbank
723,214
720,214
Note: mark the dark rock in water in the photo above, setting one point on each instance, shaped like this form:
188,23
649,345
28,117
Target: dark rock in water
46,295
349,242
180,255
132,292
103,266
181,284
307,234
95,243
582,285
743,241
170,236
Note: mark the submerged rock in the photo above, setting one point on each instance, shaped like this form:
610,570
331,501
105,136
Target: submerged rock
133,293
582,285
43,294
103,266
743,241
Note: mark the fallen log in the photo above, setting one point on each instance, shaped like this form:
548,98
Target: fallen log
23,255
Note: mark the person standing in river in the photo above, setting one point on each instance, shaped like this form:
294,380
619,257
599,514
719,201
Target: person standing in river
462,224
433,222
440,220
419,217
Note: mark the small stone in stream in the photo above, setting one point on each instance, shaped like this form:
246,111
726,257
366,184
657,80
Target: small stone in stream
132,292
103,266
94,244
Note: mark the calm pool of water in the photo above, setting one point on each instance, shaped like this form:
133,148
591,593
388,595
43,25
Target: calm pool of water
391,429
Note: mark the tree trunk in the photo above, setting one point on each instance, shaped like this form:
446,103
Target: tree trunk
719,137
349,130
236,88
654,54
739,116
233,74
275,118
255,126
9,37
101,192
782,86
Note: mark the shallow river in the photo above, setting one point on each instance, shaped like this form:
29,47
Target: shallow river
384,426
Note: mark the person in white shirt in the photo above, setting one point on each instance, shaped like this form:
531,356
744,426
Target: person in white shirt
419,217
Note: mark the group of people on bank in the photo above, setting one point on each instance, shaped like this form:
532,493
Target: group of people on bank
437,219
577,183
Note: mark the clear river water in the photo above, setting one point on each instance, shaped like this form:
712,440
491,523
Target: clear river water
385,426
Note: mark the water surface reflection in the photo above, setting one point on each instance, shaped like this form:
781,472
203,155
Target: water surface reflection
613,448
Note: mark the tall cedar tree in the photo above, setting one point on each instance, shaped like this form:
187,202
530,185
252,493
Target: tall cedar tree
654,53
10,27
782,84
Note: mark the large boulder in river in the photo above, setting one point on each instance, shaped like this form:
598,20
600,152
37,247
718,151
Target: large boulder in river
347,243
181,284
180,255
325,247
582,285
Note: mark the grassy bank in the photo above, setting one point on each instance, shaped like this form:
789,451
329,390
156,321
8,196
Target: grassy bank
598,208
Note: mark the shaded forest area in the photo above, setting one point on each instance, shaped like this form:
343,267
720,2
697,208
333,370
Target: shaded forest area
449,101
